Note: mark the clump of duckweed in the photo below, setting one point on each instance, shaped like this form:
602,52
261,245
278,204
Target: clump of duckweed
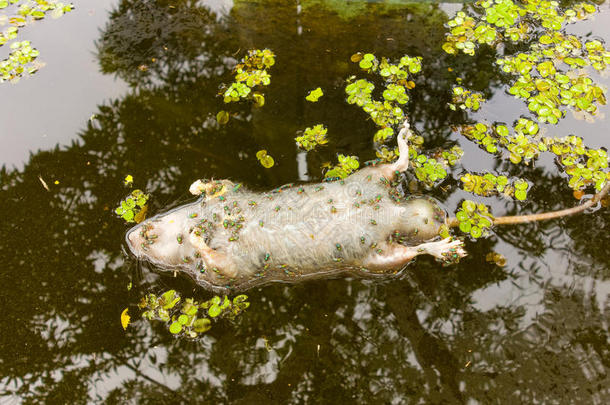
475,219
522,146
133,208
539,79
20,61
584,166
386,154
396,81
387,112
488,185
347,164
490,21
428,170
190,318
495,258
250,74
479,133
312,137
452,156
465,99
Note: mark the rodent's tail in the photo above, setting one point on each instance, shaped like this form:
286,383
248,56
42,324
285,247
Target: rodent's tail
520,219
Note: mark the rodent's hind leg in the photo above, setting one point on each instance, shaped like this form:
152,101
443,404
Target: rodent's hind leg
446,250
391,255
213,259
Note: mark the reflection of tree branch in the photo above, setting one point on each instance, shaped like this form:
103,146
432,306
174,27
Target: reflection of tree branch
430,351
164,387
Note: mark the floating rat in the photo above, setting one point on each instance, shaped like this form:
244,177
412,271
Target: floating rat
234,239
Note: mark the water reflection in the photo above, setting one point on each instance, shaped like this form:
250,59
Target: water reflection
535,330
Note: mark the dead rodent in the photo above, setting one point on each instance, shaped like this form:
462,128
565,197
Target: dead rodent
235,239
232,239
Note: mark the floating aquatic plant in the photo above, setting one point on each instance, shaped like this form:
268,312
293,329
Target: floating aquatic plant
396,76
250,74
427,170
465,99
388,112
495,258
479,133
191,318
20,61
312,137
347,164
475,219
489,184
452,156
314,95
133,208
548,76
265,159
584,166
222,117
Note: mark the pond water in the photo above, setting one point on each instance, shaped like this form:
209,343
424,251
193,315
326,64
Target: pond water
130,87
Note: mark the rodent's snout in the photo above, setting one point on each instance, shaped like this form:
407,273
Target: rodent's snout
132,239
141,237
137,238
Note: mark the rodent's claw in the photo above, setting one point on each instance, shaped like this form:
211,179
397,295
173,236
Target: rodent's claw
453,251
405,130
448,251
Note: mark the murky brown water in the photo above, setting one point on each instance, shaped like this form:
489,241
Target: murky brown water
533,331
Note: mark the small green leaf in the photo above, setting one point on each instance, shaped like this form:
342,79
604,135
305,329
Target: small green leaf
202,325
314,95
214,310
520,195
175,328
222,117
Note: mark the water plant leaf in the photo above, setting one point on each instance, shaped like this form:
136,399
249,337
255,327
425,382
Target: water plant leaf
222,117
265,160
125,319
175,328
202,325
312,137
314,95
214,310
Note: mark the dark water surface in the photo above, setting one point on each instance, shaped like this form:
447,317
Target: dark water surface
534,331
